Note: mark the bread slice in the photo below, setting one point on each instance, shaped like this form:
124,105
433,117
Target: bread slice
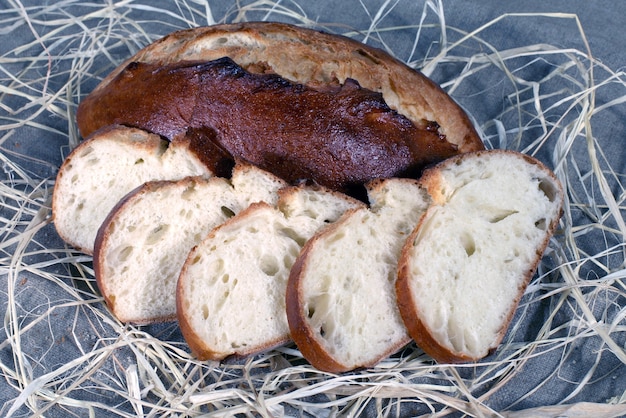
464,269
341,301
231,291
104,168
141,246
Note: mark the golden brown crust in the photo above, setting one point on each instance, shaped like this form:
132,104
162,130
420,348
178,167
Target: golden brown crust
305,55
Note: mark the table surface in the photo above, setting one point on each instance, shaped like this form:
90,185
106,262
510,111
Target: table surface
544,78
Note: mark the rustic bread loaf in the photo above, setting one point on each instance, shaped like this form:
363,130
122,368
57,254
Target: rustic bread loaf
107,166
294,101
341,302
142,244
231,291
465,267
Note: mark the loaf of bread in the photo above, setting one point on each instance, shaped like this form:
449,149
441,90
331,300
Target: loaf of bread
107,166
294,101
142,244
465,267
231,291
341,301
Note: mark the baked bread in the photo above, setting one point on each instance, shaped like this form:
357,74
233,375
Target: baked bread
341,301
144,241
465,267
294,101
107,166
231,290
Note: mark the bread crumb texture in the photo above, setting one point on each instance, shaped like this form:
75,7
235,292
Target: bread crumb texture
103,169
349,302
493,216
232,288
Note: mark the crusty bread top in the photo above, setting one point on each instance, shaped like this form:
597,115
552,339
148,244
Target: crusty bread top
308,56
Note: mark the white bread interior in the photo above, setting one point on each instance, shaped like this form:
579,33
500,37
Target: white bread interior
466,266
143,243
341,299
103,169
231,291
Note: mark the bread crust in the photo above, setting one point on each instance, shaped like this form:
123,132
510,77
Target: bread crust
308,57
410,310
305,55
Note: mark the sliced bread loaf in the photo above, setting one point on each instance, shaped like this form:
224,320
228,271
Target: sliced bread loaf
464,269
104,168
341,302
231,291
143,243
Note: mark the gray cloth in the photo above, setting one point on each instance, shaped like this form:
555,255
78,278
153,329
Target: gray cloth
58,336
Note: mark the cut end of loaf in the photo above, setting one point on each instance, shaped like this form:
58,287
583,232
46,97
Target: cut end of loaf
467,264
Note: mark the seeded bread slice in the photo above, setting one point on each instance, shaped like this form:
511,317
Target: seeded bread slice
231,291
464,269
341,302
143,243
107,166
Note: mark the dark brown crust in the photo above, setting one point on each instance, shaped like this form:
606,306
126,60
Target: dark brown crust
265,119
303,56
409,309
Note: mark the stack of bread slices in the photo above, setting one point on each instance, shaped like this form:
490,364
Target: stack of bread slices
249,262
